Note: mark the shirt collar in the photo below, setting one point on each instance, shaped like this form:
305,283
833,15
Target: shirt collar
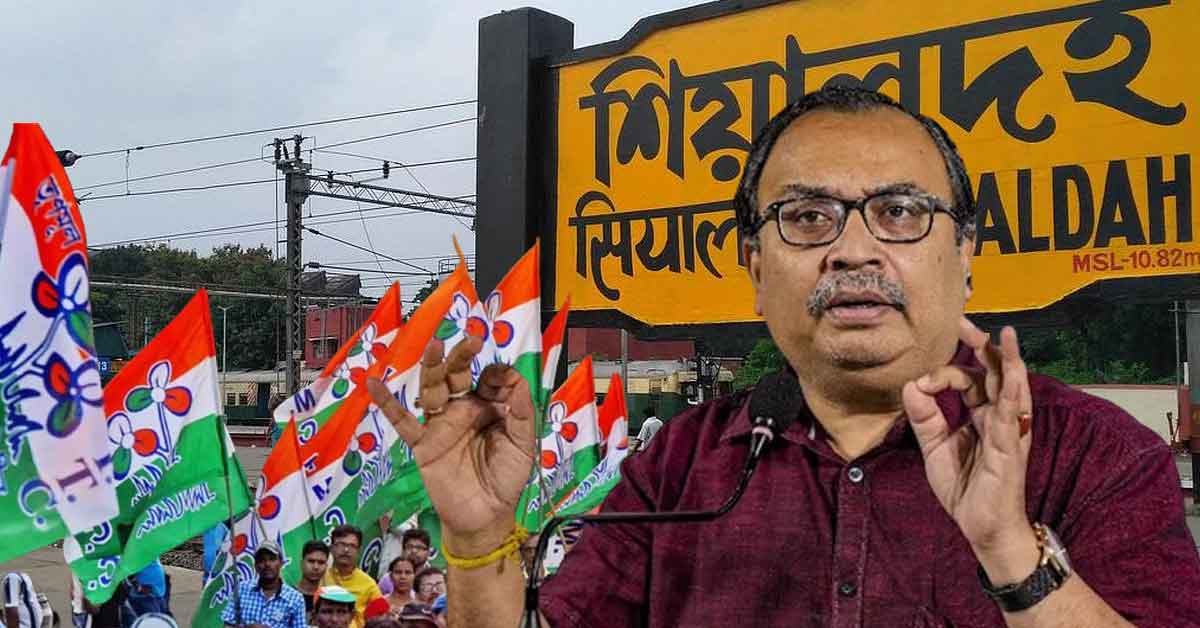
806,430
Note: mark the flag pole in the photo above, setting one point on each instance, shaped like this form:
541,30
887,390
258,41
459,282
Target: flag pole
237,597
312,524
222,435
233,557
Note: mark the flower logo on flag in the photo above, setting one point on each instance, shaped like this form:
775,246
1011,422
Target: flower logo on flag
127,441
564,431
120,434
367,442
167,400
352,462
460,321
270,507
66,296
71,390
366,344
502,331
241,544
346,375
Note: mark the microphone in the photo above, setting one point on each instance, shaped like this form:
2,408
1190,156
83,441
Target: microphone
774,405
649,429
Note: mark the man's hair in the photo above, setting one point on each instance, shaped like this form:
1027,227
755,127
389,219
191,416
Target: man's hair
383,621
398,559
346,530
417,534
845,99
425,573
314,545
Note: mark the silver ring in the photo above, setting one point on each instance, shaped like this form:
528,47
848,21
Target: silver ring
460,394
435,411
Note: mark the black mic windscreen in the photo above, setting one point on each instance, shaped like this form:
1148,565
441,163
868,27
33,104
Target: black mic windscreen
776,396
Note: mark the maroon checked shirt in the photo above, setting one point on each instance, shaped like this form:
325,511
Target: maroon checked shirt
819,541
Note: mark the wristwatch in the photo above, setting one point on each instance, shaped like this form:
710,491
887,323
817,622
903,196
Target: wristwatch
1052,571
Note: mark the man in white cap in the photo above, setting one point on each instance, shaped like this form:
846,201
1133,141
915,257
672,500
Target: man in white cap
267,602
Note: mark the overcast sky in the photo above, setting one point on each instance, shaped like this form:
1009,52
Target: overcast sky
100,76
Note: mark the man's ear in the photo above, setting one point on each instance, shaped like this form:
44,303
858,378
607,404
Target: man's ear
753,256
966,251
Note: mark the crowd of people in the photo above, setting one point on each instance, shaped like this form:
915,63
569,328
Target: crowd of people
334,592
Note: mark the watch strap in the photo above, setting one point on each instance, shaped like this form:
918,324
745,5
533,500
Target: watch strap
1023,595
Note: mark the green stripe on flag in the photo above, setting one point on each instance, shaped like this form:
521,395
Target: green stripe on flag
161,508
28,519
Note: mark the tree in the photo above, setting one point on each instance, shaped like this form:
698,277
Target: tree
254,325
1104,344
762,359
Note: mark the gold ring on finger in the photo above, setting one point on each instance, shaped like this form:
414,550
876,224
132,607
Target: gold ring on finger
460,394
435,411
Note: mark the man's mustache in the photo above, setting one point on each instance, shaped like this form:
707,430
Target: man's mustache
829,286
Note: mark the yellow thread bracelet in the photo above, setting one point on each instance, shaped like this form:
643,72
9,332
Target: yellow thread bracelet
510,547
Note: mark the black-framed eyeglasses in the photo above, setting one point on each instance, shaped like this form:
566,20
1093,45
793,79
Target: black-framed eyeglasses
816,220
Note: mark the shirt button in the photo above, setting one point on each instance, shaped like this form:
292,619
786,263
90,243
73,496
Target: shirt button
847,589
855,474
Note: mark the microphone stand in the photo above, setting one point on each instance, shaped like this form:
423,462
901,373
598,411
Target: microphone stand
763,432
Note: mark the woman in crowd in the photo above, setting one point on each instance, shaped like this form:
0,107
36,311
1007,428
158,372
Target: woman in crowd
402,573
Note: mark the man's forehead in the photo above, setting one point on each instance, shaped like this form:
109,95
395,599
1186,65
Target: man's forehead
853,153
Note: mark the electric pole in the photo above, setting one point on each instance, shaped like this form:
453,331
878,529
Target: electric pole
296,185
300,185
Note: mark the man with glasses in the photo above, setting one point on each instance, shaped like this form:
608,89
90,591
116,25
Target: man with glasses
347,541
416,543
927,480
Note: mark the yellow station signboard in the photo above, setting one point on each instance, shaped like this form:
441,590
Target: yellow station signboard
1077,121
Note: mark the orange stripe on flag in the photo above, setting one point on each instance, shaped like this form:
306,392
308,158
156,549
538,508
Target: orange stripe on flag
579,390
420,327
404,352
520,285
186,341
556,330
39,165
613,408
284,459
